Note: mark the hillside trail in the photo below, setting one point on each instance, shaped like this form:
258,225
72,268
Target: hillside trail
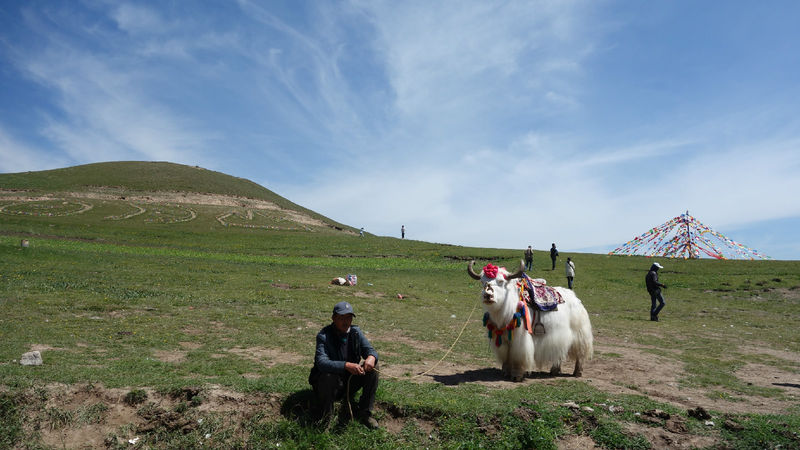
182,198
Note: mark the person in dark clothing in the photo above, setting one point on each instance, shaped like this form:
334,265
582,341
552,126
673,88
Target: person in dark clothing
528,258
339,372
654,288
553,255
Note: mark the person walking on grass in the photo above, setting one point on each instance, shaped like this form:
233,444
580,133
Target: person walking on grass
570,269
654,289
553,255
528,258
344,362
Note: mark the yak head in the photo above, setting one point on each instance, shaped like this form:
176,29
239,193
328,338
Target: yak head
495,281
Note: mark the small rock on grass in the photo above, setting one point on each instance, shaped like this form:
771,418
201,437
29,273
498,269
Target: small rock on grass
33,358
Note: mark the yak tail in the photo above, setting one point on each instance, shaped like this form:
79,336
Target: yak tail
583,345
583,340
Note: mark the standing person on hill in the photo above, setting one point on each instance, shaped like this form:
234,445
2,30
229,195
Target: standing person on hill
553,255
528,258
570,268
402,232
654,288
338,368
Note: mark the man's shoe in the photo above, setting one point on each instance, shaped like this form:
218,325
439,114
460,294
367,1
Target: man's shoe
654,318
370,422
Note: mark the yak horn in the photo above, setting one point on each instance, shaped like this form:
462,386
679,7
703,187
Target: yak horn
519,272
472,272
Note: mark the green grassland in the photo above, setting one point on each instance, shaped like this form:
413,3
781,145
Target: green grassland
107,291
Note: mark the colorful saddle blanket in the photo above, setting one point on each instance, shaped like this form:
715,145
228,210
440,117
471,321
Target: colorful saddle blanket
538,295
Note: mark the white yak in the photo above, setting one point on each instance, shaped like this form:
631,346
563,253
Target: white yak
563,333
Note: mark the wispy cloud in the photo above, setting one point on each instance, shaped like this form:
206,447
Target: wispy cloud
16,156
134,18
106,106
454,66
104,113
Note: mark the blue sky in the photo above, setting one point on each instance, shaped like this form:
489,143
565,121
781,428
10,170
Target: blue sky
493,124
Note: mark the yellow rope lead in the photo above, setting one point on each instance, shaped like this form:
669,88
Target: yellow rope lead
451,347
464,327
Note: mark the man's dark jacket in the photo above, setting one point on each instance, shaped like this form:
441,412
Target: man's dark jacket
651,279
329,357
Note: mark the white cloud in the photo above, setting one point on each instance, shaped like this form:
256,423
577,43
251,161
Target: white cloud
751,183
134,18
441,51
16,156
106,110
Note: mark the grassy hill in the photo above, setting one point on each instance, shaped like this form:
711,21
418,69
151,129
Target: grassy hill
138,176
132,177
190,323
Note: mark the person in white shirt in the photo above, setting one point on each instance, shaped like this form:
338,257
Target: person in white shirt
570,267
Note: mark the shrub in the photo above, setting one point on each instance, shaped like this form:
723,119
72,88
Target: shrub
135,397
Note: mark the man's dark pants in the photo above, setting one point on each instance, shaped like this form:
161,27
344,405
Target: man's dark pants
655,296
331,387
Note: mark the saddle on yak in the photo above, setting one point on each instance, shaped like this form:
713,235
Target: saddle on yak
539,297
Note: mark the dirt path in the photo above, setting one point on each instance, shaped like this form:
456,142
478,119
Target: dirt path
632,370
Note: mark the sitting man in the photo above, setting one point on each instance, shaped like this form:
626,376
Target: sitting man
338,370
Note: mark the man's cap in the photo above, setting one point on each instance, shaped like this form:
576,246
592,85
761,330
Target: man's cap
658,265
343,308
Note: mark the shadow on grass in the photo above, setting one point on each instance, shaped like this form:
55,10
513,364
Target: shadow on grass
488,375
299,407
470,376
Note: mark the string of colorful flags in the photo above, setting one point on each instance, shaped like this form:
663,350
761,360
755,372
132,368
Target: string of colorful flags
686,237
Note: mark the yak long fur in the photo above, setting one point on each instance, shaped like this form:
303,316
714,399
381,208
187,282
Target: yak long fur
568,330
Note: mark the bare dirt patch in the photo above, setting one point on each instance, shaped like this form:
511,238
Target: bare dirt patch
42,347
91,416
190,345
576,442
170,356
790,294
771,377
661,438
641,372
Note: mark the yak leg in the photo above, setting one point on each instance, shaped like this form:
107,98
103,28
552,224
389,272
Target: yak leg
506,369
517,373
578,369
556,369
